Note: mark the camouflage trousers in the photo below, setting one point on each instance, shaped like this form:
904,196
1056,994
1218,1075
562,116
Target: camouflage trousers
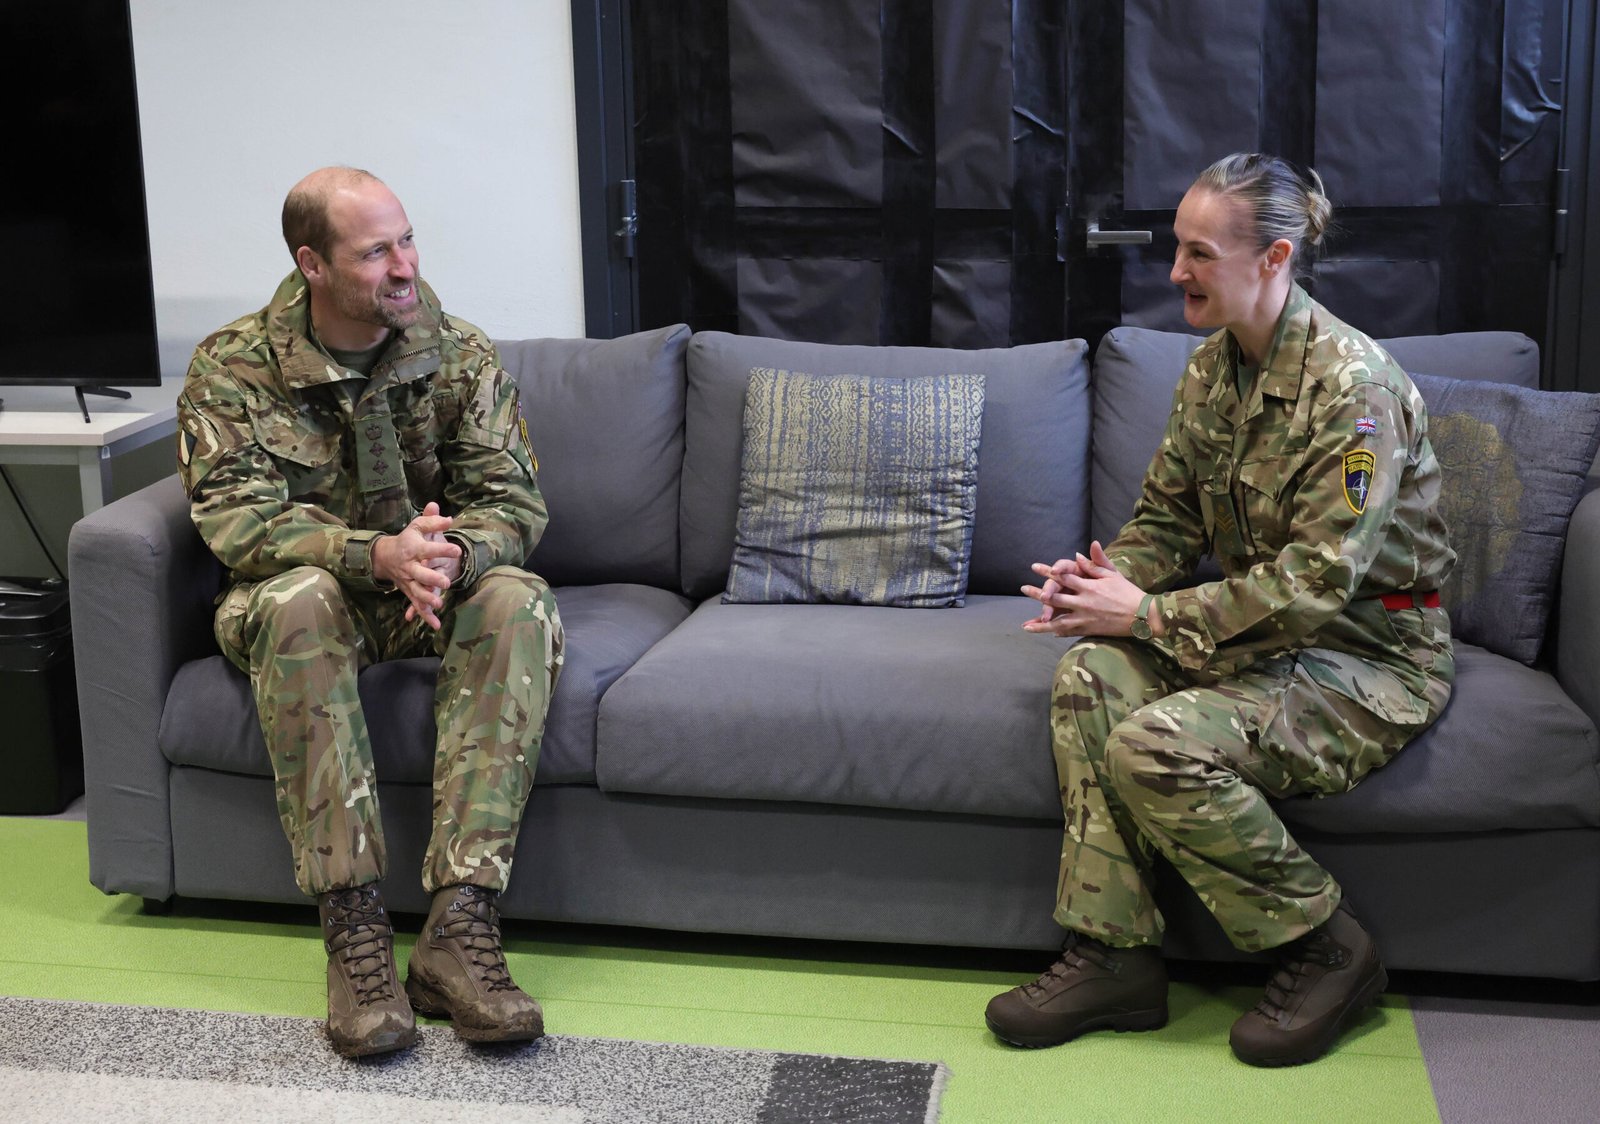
302,638
1152,761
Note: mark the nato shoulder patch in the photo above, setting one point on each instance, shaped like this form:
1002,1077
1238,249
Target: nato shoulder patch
1359,465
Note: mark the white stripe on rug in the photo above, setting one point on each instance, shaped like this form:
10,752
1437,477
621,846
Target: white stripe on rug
30,1095
592,1080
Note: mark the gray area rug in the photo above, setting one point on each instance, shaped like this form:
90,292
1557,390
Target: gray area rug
88,1061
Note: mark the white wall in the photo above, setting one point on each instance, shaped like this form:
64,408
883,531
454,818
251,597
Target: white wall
465,109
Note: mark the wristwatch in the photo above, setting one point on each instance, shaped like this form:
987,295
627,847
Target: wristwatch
1141,619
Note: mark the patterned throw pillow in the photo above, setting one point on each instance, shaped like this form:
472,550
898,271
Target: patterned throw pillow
1514,462
856,491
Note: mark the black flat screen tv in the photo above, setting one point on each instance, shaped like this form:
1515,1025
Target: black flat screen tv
76,297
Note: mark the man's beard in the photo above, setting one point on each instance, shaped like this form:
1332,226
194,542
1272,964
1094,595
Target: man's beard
369,308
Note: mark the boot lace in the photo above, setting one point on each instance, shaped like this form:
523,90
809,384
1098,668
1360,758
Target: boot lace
474,922
360,934
1301,959
1077,953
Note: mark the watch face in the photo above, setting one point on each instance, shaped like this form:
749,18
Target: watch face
1140,629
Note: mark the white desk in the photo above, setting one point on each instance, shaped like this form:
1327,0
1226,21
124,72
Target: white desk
41,425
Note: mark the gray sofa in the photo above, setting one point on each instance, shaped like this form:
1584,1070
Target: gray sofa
819,770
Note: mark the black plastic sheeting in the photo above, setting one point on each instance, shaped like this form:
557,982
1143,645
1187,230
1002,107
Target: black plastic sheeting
789,151
972,105
922,171
1380,93
1192,91
1433,124
1408,290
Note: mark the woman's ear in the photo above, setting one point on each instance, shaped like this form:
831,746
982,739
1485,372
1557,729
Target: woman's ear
1278,255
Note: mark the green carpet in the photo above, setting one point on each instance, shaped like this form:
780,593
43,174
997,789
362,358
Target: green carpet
65,940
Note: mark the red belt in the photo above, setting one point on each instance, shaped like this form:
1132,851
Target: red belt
1397,601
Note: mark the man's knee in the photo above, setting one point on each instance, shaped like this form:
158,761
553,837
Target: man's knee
303,597
506,596
307,603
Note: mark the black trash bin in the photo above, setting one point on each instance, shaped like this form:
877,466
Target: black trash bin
41,749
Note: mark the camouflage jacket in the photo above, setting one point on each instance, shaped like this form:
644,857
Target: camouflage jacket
1318,493
291,460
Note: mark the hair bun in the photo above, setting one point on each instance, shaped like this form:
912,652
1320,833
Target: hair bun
1319,211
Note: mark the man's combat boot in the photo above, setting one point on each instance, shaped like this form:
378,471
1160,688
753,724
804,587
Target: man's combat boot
367,1014
1092,987
458,971
1324,981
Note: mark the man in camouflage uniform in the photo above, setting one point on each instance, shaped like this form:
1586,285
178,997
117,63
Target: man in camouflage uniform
1320,653
358,461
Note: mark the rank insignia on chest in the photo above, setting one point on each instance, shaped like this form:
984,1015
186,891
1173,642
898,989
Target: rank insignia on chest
379,462
1366,426
1358,471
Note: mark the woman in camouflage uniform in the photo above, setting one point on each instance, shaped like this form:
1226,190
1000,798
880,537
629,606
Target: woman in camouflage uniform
1297,454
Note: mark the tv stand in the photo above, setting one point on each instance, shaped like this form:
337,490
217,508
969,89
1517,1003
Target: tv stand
103,391
37,427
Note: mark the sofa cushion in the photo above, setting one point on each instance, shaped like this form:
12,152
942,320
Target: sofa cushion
1031,500
841,704
1515,463
948,712
606,421
1510,751
210,719
1136,371
856,491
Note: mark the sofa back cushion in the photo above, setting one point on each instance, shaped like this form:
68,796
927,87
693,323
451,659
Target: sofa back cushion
1033,461
1137,369
606,421
1515,463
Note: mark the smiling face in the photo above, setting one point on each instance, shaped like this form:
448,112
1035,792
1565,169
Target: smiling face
367,284
1227,281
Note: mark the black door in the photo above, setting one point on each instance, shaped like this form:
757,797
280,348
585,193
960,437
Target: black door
966,173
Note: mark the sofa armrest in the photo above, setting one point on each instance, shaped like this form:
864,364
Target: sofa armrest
142,585
1577,638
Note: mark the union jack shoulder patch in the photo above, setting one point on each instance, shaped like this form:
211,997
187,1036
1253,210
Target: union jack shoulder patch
1367,426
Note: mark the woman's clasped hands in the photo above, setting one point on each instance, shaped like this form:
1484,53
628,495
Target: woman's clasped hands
1083,596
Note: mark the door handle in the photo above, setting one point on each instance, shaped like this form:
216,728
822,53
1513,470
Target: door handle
1097,237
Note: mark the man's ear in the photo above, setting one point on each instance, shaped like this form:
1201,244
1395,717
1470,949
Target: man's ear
310,263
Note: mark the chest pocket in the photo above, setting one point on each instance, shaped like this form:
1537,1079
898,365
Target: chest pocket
1225,534
1266,500
305,449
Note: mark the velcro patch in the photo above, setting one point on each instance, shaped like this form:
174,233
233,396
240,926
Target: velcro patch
527,445
1359,466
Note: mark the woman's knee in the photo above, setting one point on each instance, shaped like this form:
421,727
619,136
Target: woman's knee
1151,751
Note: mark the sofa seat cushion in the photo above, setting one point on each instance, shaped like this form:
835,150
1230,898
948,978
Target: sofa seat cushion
947,712
842,704
210,718
1510,751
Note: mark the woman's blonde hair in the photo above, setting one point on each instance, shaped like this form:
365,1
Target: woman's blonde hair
1283,202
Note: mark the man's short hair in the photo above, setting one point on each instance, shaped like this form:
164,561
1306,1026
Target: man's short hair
305,209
